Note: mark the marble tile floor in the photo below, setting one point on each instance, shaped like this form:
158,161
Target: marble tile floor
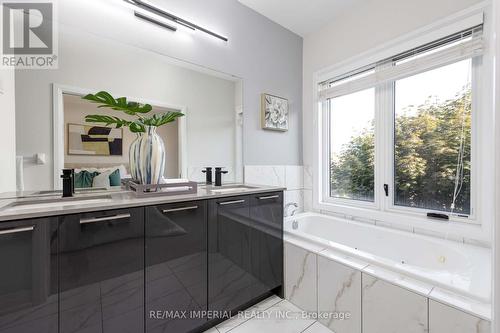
272,315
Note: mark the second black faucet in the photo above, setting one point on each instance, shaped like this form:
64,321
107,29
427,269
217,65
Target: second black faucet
218,176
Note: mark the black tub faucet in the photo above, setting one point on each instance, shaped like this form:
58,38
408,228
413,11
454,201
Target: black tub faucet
208,175
218,176
68,177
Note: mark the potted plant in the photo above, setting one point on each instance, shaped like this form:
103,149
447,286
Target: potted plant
147,152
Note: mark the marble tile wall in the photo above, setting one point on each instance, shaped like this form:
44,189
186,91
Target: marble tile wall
340,296
443,318
376,299
308,188
289,176
300,277
388,308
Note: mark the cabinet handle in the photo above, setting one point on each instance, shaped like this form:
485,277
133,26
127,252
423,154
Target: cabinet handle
179,209
16,230
103,219
231,202
269,197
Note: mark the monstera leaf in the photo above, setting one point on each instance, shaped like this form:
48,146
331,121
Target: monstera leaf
162,119
131,108
134,126
108,120
119,104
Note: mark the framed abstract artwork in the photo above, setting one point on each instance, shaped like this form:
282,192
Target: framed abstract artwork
94,140
275,113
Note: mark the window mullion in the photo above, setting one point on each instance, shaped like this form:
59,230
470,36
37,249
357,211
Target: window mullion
389,142
383,141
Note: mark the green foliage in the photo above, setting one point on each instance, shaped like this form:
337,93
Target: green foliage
134,126
427,146
353,173
162,119
130,108
119,104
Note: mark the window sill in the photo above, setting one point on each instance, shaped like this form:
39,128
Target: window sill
471,230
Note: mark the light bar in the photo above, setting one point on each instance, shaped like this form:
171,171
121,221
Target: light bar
155,10
152,20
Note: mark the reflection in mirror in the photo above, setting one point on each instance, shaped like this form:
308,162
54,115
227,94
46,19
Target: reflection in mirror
96,148
50,113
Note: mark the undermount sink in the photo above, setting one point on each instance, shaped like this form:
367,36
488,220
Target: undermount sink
56,202
232,188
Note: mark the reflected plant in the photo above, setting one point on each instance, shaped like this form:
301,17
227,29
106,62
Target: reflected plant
106,100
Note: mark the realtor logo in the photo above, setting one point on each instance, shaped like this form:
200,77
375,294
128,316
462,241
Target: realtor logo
28,35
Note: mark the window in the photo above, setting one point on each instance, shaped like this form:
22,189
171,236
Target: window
397,134
432,139
352,146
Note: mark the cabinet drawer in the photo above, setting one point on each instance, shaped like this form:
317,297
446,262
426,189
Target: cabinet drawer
99,228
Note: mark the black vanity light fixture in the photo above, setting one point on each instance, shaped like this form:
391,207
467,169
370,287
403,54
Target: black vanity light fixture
152,20
160,12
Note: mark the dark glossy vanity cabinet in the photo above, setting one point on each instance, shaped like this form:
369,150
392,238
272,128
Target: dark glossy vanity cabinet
101,272
176,266
28,276
245,256
266,213
229,255
161,268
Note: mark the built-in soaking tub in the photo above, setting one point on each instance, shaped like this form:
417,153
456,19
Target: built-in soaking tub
457,267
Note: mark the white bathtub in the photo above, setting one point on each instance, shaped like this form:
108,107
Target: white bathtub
460,268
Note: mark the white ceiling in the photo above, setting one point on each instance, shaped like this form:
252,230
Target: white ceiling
300,16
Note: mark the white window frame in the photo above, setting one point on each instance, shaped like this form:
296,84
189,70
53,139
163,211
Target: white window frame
326,171
479,223
389,148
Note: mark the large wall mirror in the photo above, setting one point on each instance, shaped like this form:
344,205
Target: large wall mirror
50,112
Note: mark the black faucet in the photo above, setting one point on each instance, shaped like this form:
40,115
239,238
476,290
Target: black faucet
208,172
218,176
68,178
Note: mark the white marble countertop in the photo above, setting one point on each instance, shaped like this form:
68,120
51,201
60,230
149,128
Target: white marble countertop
106,200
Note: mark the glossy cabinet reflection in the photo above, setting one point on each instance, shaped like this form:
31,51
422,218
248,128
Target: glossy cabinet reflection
176,266
147,269
229,266
266,213
101,272
245,249
28,278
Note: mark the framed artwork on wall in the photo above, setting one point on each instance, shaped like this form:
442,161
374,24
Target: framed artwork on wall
275,113
94,140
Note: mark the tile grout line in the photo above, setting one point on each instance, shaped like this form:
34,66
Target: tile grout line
428,314
361,301
317,286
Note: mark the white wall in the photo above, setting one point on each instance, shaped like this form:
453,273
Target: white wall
496,242
8,132
364,27
267,56
91,62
